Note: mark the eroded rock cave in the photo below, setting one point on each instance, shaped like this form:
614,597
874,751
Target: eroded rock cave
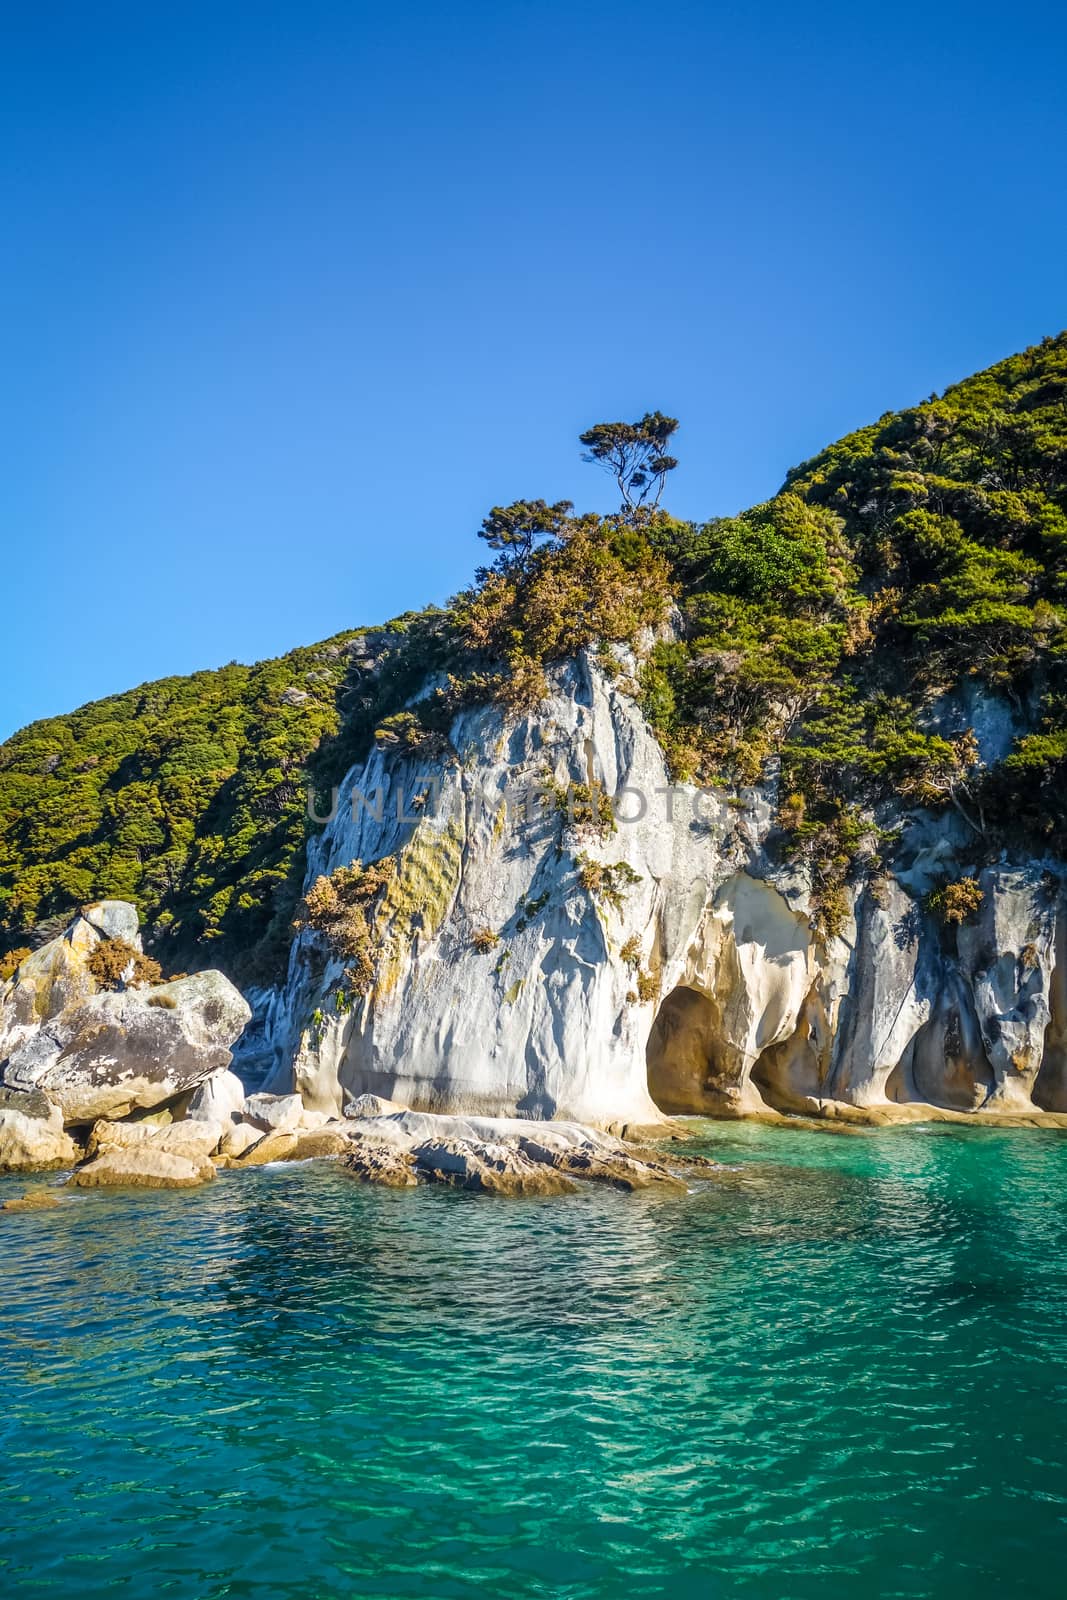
680,1054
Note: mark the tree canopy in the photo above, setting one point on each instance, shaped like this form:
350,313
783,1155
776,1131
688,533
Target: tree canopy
514,530
635,453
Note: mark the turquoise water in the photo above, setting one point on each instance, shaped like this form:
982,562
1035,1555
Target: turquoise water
837,1370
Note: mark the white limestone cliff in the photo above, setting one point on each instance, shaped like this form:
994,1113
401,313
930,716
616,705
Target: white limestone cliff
704,988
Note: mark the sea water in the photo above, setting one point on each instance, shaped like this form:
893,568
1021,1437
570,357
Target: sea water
835,1368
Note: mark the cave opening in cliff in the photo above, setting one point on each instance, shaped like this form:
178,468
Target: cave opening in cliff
680,1054
1050,1085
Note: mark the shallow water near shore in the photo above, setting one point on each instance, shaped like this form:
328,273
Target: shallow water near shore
835,1369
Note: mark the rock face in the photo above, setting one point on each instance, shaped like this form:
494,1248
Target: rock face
194,1141
218,1099
508,980
97,1053
32,1138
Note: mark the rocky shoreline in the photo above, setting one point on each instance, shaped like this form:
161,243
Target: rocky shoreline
126,1082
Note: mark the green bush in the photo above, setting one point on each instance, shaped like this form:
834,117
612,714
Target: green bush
607,883
111,958
341,907
955,903
10,963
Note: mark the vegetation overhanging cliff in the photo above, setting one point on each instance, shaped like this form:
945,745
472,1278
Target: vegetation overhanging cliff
820,634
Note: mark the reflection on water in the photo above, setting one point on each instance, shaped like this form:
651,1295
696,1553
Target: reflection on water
835,1369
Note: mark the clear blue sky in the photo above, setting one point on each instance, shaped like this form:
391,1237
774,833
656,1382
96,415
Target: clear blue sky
293,292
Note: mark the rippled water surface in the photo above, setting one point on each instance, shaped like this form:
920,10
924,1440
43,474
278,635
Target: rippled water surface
837,1369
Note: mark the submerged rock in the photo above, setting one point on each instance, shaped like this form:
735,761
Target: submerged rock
33,1200
586,1161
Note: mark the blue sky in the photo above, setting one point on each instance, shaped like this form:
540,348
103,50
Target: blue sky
292,293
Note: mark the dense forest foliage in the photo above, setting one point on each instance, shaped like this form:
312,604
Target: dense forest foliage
816,635
184,796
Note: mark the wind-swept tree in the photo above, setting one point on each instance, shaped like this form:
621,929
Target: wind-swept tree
514,530
635,453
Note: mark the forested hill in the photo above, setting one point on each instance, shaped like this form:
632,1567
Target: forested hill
820,633
185,796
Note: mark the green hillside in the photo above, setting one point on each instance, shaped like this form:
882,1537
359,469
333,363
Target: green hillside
819,630
911,558
185,796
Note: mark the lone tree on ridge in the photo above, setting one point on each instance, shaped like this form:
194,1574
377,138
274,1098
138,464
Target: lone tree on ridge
635,453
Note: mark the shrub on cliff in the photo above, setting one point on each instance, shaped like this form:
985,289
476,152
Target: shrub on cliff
607,882
597,582
117,964
955,903
419,732
10,963
341,908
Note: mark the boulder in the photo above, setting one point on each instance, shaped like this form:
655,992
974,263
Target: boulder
114,919
490,1168
239,1137
193,1140
274,1146
379,1161
32,1138
279,1113
319,1142
219,1098
143,1167
370,1105
49,980
111,1053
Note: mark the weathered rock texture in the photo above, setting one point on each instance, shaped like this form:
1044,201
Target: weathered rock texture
703,987
32,1137
98,1053
495,1155
141,1168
